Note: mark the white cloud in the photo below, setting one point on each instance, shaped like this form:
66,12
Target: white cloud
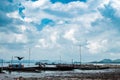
13,38
43,43
69,34
35,5
22,28
54,37
14,14
73,6
97,46
20,38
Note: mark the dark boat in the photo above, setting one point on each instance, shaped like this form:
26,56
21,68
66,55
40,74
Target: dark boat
59,67
27,69
19,67
65,67
0,70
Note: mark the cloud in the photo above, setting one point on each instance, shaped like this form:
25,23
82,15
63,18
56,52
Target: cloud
110,12
70,35
97,46
57,28
7,6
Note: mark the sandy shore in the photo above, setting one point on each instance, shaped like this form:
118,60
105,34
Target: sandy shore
113,75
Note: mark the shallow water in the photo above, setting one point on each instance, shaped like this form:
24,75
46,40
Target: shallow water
55,73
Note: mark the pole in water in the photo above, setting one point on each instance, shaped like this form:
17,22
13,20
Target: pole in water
60,59
80,54
12,60
72,62
29,56
2,65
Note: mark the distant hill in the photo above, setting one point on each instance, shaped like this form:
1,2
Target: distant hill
1,60
116,61
107,61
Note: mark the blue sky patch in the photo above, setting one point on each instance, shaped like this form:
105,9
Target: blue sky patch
45,22
21,8
34,0
66,1
7,6
109,13
10,1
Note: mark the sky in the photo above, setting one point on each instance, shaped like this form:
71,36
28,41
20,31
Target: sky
56,28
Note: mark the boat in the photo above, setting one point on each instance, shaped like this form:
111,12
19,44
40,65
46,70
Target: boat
0,70
19,67
59,67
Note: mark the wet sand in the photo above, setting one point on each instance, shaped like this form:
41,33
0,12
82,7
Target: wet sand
99,75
